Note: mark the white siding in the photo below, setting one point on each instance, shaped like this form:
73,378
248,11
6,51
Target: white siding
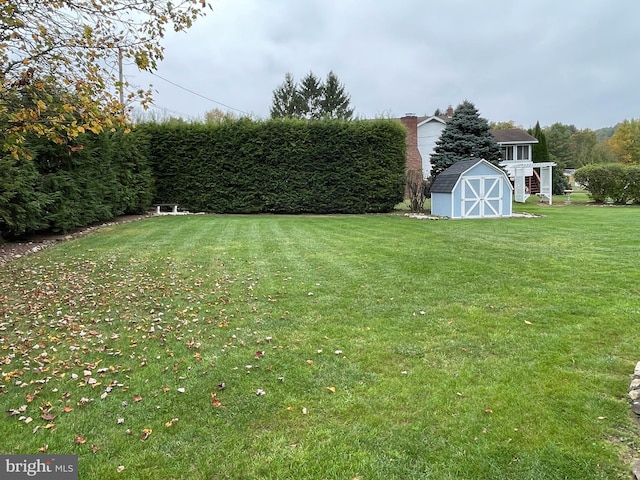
429,132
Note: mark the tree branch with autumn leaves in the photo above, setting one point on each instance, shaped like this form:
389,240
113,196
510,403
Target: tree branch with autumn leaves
57,60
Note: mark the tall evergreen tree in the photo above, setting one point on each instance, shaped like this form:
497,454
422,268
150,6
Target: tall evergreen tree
311,91
287,101
335,101
540,150
466,135
311,99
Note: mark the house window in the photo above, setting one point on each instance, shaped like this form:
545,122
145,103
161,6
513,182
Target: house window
507,153
523,152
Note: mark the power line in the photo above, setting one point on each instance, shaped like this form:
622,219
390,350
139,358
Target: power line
199,95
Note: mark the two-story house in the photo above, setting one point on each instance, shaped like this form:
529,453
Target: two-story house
516,145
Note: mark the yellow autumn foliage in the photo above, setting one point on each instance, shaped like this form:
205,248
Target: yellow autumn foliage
80,90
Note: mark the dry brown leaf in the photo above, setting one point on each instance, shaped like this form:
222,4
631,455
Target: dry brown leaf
215,401
79,439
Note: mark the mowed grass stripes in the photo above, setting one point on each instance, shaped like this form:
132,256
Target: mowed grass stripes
366,347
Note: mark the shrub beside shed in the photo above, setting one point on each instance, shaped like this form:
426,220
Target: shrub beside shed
472,188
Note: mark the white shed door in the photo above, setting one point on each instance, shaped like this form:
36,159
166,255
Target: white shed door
481,197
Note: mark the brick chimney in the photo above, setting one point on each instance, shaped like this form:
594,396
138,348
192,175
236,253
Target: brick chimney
450,111
414,159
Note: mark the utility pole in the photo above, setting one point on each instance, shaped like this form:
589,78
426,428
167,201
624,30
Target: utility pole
120,79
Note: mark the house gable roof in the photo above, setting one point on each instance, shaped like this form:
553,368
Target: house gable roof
512,135
447,180
433,118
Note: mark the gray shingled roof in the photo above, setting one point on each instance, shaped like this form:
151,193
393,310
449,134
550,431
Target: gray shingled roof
445,182
511,135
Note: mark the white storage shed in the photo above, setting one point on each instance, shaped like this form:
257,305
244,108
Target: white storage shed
472,188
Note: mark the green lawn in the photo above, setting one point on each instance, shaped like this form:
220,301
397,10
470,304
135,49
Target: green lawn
335,347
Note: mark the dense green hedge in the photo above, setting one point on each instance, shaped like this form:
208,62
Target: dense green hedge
279,166
603,181
276,166
66,187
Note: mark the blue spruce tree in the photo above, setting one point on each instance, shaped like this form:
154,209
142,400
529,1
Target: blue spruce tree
466,135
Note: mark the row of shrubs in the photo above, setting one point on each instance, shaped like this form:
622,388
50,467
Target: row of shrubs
277,166
64,187
280,166
611,181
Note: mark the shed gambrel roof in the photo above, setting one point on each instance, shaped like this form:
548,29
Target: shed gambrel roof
445,182
512,135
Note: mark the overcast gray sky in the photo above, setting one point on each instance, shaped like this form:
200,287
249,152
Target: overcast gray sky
570,61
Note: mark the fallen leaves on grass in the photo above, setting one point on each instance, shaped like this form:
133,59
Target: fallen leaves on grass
65,327
17,411
215,401
171,422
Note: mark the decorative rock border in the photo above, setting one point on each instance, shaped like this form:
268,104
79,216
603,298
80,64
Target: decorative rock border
634,395
424,216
